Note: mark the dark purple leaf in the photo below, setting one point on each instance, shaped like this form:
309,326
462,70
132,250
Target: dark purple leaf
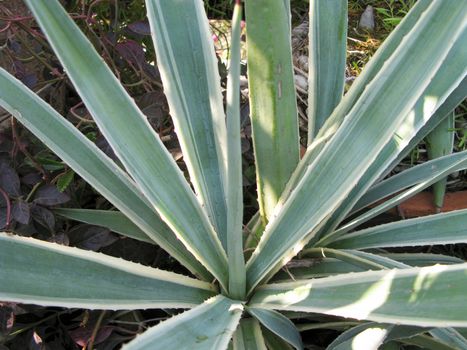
43,216
105,147
82,335
61,238
50,195
31,179
21,212
142,28
131,51
91,237
2,217
7,319
30,80
151,71
9,180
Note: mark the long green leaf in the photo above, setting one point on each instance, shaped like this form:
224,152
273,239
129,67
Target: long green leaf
92,165
413,176
429,296
369,72
387,102
237,270
205,327
138,147
249,336
113,220
446,228
274,342
279,325
327,55
272,99
441,82
440,142
43,273
188,67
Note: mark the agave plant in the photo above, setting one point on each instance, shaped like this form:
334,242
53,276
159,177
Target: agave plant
304,254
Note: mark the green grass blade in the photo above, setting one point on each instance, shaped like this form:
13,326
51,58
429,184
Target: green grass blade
327,55
113,220
272,99
413,176
413,296
446,228
42,273
440,142
205,327
138,147
388,101
248,336
92,165
188,67
237,270
279,325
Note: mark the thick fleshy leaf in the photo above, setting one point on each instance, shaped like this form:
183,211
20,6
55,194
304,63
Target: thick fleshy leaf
445,80
279,325
429,296
113,220
138,147
43,273
273,103
92,165
248,336
188,68
205,327
234,186
327,54
274,342
388,101
440,142
369,336
446,228
332,124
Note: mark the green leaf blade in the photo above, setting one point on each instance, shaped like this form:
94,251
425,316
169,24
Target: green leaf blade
139,148
430,296
92,165
387,102
208,326
43,273
327,55
188,67
446,228
272,99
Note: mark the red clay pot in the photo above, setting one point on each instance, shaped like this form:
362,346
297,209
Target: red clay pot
422,204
